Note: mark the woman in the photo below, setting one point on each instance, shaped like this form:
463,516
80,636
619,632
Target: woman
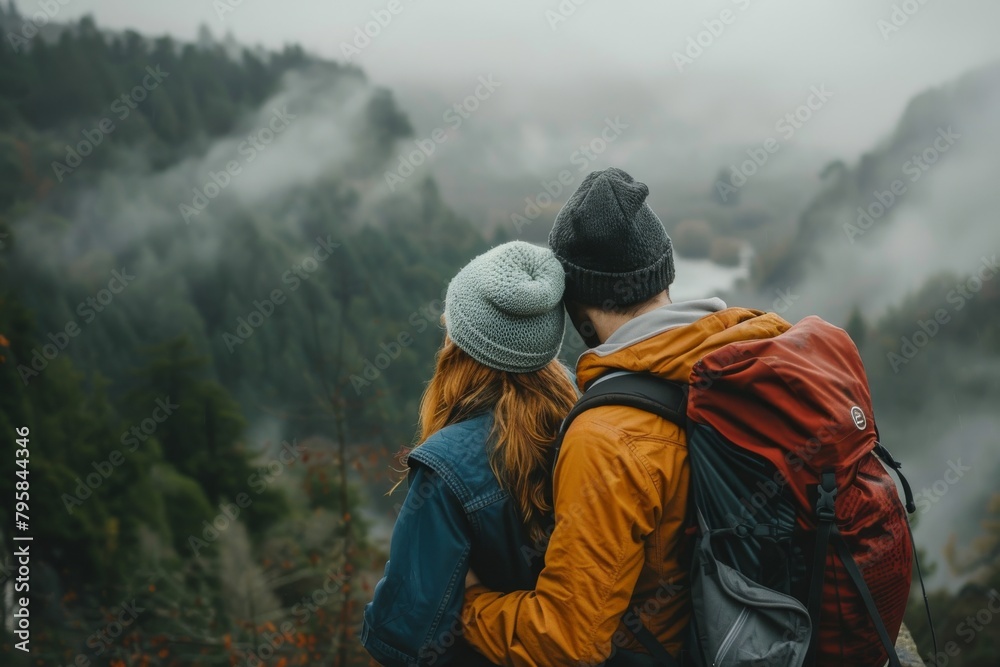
480,478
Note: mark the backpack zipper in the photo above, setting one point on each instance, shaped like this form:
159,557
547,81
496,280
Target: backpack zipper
730,639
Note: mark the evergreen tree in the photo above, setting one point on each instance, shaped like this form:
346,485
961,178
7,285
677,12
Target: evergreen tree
857,328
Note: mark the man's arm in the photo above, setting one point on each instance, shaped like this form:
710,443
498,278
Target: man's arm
605,504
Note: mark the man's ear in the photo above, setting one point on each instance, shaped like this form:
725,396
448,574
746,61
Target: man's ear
588,332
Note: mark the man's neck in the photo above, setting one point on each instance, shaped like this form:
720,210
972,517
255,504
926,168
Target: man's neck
608,323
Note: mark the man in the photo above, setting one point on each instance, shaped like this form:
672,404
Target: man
618,554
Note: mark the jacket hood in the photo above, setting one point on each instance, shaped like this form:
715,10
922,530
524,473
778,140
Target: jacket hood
656,343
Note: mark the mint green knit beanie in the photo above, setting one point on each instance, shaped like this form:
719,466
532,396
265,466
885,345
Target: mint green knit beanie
504,308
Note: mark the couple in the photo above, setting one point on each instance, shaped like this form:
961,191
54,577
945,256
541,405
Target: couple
504,553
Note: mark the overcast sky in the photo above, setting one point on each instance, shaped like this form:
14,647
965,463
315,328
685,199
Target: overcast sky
761,65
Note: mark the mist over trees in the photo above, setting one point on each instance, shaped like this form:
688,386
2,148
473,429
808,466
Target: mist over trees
199,451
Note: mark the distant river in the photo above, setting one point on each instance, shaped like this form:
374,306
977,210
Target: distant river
700,278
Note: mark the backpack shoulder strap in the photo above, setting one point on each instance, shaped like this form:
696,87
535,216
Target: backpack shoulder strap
828,534
643,391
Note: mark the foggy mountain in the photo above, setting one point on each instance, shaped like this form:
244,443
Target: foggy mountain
233,219
920,203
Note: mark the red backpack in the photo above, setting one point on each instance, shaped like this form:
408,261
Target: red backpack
803,551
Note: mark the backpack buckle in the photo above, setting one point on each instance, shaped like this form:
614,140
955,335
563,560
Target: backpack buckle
827,498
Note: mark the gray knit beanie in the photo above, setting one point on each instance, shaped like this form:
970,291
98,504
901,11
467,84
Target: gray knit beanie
613,247
505,308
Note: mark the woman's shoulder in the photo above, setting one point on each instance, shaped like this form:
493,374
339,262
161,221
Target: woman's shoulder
459,454
470,435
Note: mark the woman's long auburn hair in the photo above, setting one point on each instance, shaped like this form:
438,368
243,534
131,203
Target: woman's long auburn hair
527,411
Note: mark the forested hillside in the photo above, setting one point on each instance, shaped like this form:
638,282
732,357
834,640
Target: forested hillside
934,366
198,266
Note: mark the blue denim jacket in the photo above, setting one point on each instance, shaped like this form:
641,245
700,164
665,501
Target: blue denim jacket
455,516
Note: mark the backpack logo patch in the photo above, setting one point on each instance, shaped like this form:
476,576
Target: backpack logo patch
859,418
